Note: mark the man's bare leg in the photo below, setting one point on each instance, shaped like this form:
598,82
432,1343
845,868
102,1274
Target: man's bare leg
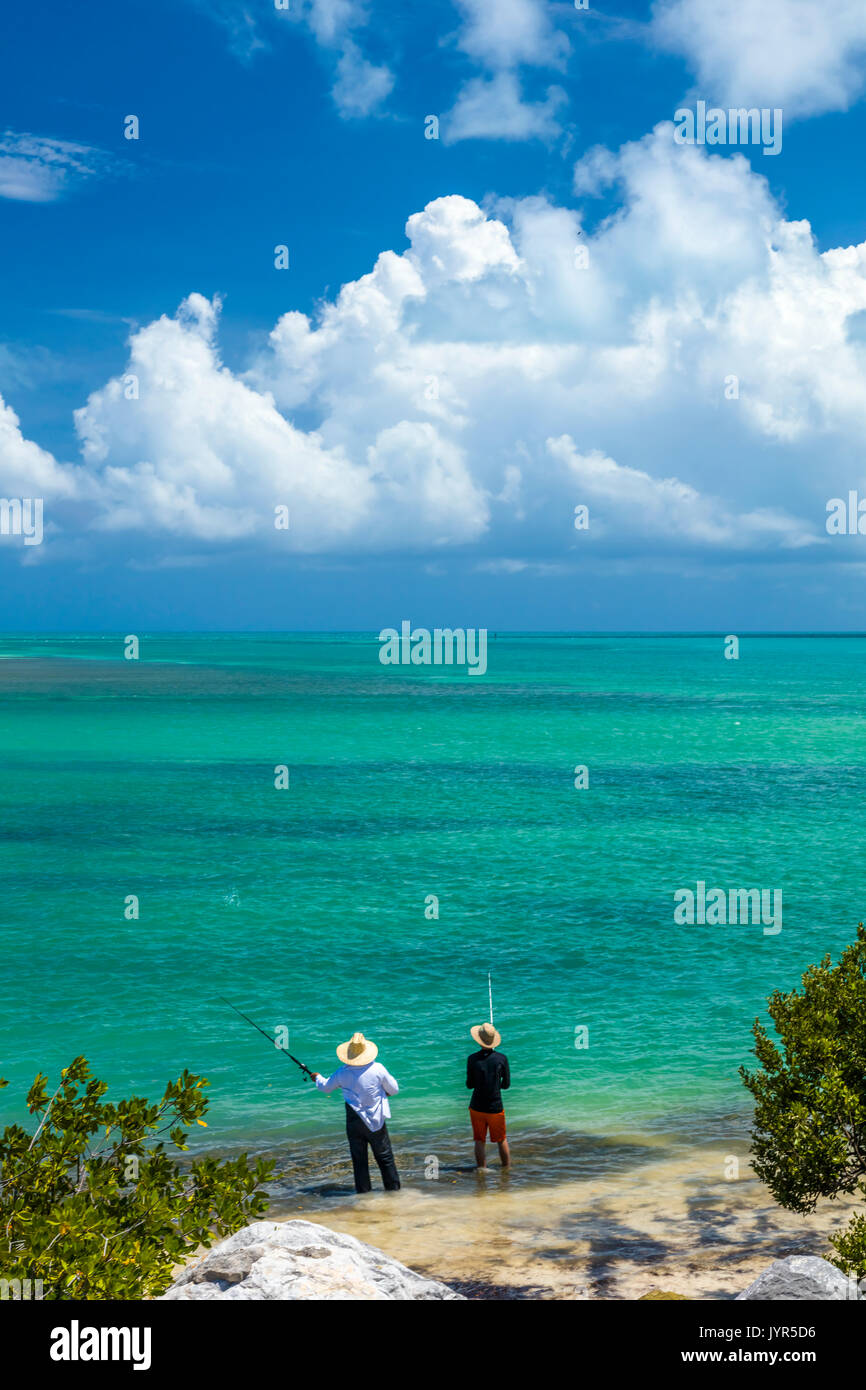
479,1154
504,1154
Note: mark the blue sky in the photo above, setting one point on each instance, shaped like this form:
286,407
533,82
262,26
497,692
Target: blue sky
451,393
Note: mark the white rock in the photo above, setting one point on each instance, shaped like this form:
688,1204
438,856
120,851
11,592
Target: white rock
801,1277
300,1260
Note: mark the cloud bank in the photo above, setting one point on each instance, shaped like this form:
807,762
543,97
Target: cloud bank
685,371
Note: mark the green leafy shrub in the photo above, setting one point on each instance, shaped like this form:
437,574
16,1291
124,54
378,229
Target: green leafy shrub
850,1247
809,1136
95,1205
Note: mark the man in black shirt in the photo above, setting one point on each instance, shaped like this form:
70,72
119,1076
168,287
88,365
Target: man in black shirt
487,1073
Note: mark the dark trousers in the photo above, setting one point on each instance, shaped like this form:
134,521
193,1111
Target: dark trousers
359,1137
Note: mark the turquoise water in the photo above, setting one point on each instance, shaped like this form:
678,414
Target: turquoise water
306,907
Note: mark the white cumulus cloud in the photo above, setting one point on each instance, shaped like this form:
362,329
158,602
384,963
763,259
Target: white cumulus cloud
631,502
503,39
495,109
361,87
801,56
28,471
511,32
693,369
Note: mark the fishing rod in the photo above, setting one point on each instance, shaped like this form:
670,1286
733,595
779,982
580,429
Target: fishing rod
490,994
308,1075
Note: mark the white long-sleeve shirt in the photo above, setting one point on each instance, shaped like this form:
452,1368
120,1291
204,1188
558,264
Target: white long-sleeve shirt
366,1089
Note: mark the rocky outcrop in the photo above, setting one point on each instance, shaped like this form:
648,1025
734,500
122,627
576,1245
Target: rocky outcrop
301,1260
801,1277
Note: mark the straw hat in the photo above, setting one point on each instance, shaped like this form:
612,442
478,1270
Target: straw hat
357,1052
486,1035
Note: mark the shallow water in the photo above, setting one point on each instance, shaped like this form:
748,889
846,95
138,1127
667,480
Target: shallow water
677,1225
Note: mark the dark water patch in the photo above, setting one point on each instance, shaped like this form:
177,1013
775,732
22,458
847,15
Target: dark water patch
510,806
366,689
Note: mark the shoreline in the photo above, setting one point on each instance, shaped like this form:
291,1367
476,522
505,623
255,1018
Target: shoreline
635,1214
610,1238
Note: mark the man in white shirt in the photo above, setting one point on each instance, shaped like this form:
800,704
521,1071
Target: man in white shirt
366,1086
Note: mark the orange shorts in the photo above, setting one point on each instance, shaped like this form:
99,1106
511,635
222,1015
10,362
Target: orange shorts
481,1122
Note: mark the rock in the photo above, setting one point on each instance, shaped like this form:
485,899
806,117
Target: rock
231,1266
301,1260
800,1277
660,1293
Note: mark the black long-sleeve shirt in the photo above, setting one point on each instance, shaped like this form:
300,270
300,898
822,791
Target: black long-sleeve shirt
486,1072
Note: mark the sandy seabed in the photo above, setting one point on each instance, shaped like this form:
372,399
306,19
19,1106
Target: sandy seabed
677,1225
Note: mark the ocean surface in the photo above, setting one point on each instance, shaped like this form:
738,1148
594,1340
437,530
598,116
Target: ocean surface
309,907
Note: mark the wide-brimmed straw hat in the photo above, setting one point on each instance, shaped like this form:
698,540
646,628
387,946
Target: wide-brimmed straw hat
358,1051
486,1035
